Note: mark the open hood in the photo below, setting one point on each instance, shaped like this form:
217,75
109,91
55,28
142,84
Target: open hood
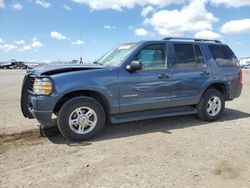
57,69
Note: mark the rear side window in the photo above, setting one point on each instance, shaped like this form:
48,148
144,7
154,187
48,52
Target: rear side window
187,55
199,57
223,56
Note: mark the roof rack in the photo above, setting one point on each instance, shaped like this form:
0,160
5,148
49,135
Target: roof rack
194,39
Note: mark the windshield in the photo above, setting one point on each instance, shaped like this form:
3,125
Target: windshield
117,55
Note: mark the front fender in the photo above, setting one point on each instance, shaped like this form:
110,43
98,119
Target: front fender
104,82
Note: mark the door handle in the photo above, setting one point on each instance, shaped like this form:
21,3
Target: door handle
205,73
162,76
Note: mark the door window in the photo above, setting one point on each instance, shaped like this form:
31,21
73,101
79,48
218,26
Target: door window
153,57
187,55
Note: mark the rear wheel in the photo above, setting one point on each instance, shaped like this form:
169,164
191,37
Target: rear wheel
211,105
81,118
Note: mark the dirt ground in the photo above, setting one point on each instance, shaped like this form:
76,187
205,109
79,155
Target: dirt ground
166,152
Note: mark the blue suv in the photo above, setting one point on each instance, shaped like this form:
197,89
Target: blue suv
134,81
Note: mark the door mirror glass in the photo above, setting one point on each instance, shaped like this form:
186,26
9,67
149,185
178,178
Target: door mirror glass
134,66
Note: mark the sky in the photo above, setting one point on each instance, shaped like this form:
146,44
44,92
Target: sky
52,30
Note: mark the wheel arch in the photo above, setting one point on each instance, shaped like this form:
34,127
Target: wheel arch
88,93
220,86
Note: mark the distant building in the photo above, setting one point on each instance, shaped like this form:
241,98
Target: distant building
244,61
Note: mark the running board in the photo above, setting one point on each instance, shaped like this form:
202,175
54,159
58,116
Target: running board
150,114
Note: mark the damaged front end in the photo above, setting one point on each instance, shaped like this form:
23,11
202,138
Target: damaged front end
39,95
35,106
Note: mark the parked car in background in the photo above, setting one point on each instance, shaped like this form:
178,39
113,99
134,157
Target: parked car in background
134,81
244,62
14,65
5,65
247,66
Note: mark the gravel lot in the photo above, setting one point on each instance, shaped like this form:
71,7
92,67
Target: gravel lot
165,152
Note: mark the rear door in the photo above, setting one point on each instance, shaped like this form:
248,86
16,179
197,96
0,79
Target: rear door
190,73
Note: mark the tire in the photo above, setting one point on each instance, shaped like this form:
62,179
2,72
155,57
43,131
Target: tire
81,118
206,107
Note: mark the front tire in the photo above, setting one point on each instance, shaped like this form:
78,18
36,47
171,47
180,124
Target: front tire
81,118
211,105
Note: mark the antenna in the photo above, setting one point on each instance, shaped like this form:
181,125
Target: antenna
81,60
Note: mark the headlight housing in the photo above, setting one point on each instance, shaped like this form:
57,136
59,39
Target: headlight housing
42,86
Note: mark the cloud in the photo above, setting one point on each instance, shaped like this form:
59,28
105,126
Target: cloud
206,34
57,35
2,4
25,48
109,27
147,10
34,39
141,32
231,3
7,47
20,42
1,41
120,4
236,27
17,6
130,27
78,42
191,18
66,7
43,3
35,44
129,4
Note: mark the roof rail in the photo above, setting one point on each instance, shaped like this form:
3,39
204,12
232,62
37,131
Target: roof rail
194,39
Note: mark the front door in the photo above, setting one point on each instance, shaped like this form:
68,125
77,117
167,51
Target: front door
149,88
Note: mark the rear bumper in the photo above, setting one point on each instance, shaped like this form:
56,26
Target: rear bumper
238,91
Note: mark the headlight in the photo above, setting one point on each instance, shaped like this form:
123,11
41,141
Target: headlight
42,86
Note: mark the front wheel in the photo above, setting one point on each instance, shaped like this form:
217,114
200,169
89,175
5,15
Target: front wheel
211,105
81,118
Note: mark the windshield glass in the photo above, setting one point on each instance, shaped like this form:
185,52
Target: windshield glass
117,55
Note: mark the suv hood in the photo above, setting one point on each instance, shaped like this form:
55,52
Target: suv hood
57,69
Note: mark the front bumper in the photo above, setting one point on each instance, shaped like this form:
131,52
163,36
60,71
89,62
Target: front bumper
34,106
43,117
41,108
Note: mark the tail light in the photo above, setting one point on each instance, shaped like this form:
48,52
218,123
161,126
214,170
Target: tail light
240,77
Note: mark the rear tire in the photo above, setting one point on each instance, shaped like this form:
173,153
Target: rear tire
81,118
211,105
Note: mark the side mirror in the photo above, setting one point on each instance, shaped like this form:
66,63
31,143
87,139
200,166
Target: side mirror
134,65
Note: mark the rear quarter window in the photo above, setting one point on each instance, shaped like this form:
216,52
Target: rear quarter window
223,56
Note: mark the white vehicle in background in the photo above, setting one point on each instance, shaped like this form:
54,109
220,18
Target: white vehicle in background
247,66
245,62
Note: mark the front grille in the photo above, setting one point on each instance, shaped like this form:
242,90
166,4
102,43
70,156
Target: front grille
30,81
27,90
